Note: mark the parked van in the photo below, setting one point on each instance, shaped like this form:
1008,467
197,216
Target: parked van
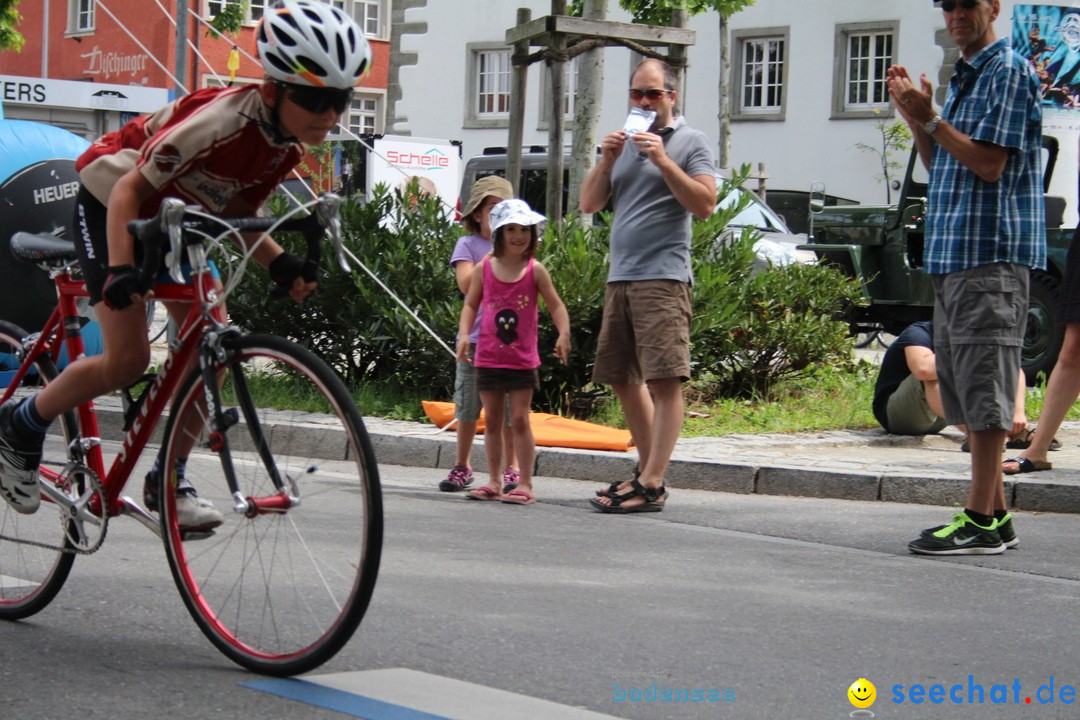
778,245
532,187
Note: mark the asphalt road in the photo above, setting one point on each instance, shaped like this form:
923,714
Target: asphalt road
778,603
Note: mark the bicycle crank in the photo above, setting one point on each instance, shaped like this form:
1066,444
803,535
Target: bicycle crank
79,497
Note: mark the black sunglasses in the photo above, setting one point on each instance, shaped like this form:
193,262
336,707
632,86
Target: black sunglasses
653,94
318,100
950,5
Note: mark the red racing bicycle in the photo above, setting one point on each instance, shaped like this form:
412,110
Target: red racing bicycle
282,585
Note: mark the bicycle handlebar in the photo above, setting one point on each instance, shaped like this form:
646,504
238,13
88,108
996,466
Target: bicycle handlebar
174,218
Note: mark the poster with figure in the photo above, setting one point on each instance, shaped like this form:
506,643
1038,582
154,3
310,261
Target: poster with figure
1049,37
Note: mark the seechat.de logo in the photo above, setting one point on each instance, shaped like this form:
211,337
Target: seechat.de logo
862,695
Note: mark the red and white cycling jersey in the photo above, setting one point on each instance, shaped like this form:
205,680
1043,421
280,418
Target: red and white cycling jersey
206,148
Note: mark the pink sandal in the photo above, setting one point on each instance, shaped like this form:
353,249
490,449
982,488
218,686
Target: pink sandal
519,497
484,492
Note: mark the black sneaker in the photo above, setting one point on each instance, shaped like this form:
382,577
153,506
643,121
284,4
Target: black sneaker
1004,528
960,537
19,460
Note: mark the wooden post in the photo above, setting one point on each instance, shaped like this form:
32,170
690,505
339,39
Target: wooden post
553,32
590,76
518,77
678,53
556,122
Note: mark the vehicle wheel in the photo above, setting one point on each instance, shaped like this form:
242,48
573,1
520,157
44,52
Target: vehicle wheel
33,571
279,591
1042,334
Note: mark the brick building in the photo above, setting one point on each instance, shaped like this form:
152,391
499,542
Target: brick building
90,65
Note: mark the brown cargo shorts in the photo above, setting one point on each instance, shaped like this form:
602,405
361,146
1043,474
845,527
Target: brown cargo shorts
645,333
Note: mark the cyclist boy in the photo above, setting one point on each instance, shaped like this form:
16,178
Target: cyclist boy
225,149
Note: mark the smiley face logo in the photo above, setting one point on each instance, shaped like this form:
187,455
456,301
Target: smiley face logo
862,693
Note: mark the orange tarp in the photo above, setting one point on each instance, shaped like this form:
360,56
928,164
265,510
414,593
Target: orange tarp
548,430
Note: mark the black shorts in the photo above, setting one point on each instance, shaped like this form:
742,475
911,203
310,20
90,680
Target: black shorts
92,247
92,243
506,379
1070,284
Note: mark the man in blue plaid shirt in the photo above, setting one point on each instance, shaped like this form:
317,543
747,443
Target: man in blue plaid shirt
984,233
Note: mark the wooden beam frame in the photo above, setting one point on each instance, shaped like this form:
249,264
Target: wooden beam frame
538,32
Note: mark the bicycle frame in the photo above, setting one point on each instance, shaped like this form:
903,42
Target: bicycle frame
62,329
206,318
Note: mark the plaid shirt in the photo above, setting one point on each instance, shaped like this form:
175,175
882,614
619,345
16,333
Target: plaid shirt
994,98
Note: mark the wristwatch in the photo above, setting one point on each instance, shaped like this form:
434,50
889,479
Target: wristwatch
931,125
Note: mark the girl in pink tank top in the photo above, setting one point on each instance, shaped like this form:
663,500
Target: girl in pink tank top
507,284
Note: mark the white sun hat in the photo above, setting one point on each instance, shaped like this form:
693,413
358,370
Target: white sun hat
514,211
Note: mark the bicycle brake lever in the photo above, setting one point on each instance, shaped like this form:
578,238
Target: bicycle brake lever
172,218
329,213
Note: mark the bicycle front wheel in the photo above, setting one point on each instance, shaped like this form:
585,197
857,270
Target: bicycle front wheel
279,588
35,553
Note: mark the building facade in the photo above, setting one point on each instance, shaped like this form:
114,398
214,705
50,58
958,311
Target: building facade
806,82
127,50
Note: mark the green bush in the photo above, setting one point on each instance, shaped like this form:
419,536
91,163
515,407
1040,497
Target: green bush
750,330
353,323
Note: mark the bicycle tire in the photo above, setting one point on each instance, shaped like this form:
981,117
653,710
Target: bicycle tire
31,575
278,593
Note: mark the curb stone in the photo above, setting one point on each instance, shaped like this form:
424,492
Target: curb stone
842,464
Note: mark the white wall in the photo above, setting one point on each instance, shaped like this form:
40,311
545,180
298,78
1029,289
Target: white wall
806,146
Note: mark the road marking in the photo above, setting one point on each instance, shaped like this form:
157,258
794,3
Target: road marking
403,694
11,582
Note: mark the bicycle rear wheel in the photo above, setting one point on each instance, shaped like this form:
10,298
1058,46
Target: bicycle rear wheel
35,553
278,591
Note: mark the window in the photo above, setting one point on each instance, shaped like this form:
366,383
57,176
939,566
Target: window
493,83
367,13
363,116
759,74
80,16
864,52
255,8
488,85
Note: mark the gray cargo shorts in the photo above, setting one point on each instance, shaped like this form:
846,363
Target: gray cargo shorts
979,320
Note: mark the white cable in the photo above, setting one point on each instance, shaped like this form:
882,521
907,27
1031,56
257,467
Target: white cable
190,44
239,271
135,40
399,301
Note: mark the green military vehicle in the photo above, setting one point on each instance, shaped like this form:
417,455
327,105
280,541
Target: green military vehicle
882,246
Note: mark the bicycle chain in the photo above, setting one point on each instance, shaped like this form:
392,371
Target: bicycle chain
70,548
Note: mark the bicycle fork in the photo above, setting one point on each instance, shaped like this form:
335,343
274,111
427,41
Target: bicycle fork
216,354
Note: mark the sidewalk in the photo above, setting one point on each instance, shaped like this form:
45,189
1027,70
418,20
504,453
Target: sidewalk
854,465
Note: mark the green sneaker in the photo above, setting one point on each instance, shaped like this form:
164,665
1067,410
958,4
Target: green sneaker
1004,528
960,537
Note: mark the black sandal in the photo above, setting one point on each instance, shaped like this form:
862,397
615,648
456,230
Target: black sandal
655,499
613,487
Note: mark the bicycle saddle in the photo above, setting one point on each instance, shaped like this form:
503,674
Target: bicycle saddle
36,247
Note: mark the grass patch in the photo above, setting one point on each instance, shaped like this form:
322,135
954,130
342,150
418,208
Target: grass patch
830,399
286,391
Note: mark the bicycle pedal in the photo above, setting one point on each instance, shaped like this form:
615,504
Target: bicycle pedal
186,535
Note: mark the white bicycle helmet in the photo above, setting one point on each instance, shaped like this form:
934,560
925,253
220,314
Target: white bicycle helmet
306,42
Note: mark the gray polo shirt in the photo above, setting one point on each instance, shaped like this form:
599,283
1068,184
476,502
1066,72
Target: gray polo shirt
650,236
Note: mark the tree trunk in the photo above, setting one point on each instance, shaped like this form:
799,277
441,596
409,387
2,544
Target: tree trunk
586,110
557,44
723,157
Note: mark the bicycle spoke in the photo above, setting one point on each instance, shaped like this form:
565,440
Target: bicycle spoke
281,588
